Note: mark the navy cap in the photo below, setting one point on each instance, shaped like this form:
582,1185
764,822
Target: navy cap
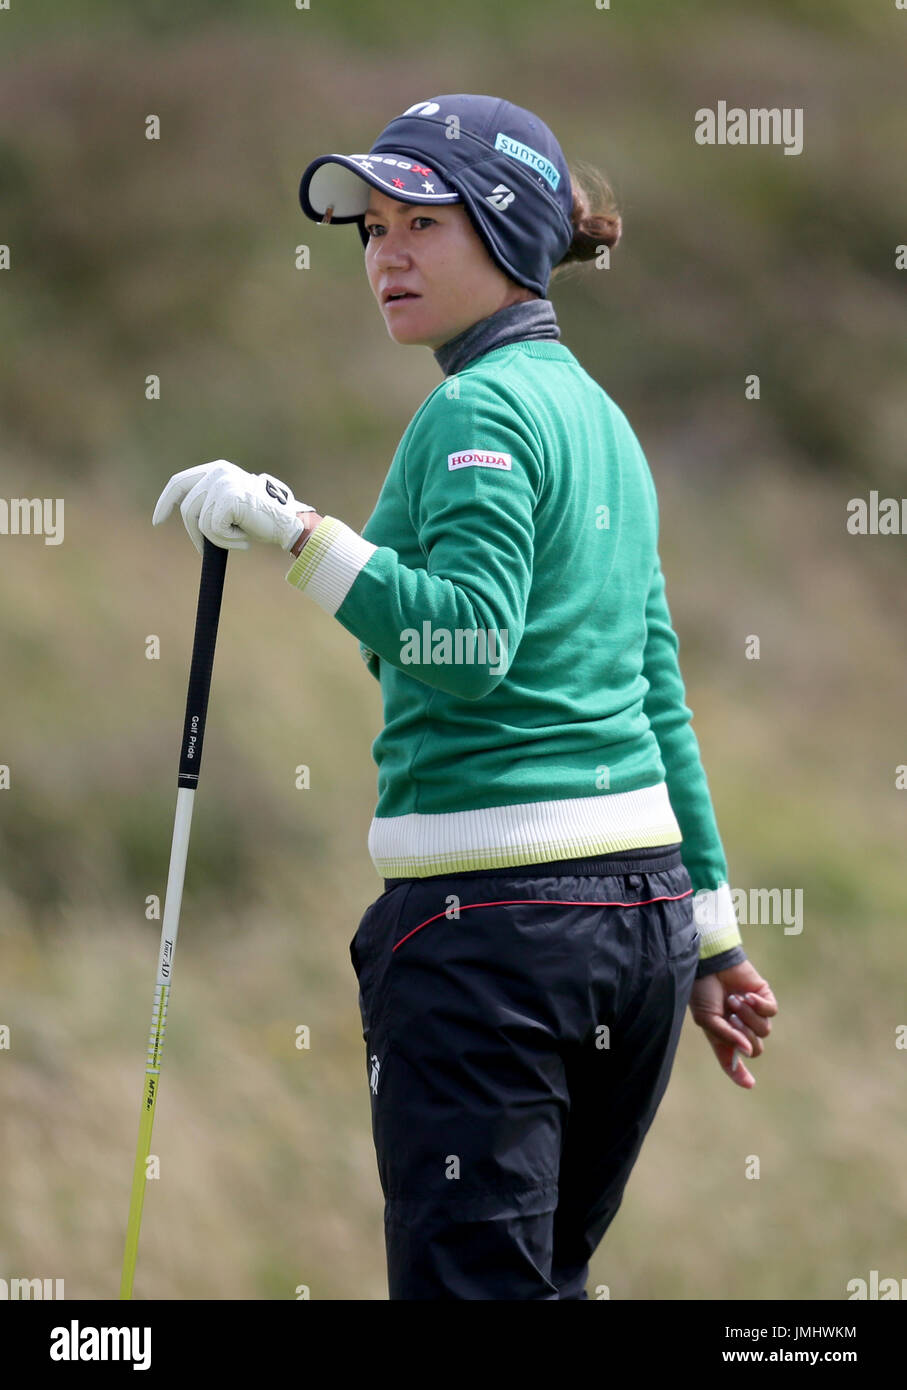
498,159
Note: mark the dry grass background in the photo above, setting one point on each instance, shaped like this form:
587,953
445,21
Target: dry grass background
268,1176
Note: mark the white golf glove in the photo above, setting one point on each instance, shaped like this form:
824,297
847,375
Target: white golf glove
232,507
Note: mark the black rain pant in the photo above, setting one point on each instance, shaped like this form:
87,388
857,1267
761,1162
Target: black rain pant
520,1028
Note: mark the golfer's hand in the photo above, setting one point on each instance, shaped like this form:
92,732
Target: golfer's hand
740,994
232,507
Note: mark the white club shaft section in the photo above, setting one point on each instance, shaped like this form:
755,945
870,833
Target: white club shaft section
179,849
172,903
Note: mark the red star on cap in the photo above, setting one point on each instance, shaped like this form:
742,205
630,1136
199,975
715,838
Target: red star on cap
398,183
420,169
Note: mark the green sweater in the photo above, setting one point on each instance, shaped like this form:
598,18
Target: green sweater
508,595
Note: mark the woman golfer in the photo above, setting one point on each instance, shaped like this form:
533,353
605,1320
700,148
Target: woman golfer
544,819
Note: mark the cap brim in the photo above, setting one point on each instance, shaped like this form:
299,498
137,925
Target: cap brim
340,182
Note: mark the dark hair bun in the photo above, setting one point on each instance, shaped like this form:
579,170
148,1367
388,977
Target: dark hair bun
596,220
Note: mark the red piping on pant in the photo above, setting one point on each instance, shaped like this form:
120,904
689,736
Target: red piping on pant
566,902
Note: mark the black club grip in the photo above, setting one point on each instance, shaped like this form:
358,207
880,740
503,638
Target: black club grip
210,593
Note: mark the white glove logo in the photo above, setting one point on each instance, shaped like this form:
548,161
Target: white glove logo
281,493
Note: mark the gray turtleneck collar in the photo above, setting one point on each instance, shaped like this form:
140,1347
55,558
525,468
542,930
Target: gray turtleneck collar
530,318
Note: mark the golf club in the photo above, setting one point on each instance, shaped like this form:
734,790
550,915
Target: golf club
210,593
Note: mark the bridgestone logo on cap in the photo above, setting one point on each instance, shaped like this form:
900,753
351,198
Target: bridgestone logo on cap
478,458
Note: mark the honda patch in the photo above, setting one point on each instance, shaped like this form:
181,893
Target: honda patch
477,458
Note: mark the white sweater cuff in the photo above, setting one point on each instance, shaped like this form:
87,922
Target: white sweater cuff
714,911
329,562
